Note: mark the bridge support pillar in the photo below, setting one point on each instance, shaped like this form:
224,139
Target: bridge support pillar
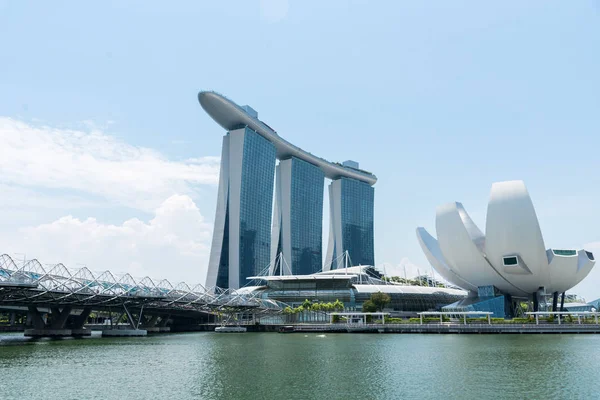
132,331
59,317
39,328
154,326
164,320
34,318
151,322
78,329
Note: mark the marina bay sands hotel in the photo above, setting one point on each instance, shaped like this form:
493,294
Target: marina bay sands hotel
251,232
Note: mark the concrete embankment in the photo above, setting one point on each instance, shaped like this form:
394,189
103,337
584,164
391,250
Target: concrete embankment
457,328
447,328
12,328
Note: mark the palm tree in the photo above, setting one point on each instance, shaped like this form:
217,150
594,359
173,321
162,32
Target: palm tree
307,305
338,305
316,308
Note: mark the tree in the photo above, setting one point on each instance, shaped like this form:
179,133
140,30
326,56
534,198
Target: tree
338,305
307,304
380,300
369,306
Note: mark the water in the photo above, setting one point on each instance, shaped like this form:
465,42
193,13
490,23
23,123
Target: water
298,366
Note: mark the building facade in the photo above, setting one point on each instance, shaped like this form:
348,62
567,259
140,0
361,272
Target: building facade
298,218
242,235
351,205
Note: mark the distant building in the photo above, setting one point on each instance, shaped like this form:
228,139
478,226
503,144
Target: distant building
353,286
246,240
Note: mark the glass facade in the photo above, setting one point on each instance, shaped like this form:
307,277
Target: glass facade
256,202
223,274
306,217
510,261
357,221
294,292
500,306
487,291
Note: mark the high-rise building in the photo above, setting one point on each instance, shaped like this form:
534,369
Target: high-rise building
298,218
242,235
245,243
351,204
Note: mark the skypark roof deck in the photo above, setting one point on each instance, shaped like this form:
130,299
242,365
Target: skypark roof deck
232,116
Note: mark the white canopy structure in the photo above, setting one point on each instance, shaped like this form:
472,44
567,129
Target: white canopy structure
511,256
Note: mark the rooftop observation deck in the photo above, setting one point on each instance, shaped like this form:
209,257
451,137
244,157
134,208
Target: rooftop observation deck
232,116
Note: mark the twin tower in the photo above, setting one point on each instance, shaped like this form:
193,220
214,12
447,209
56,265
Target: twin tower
251,234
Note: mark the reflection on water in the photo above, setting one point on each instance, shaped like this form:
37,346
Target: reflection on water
299,366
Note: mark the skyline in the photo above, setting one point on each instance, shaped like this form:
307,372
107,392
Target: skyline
107,160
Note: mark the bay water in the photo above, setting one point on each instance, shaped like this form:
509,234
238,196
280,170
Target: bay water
302,366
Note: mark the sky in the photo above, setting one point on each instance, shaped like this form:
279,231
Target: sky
108,161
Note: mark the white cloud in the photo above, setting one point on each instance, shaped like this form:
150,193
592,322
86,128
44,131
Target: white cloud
95,163
174,244
47,173
407,269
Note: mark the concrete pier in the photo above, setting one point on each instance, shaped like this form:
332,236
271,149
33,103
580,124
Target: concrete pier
81,332
124,332
158,329
38,327
51,333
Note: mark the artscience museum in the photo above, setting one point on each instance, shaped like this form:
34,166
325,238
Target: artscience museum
509,264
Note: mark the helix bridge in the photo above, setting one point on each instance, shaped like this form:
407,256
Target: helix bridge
31,284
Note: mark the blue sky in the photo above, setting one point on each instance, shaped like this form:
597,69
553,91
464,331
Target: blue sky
439,99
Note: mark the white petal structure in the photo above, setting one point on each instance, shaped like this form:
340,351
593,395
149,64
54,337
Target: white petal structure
434,255
512,229
511,256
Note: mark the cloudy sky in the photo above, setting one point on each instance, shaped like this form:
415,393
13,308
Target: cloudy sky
108,161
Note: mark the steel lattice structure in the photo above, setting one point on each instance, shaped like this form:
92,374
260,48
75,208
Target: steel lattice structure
56,285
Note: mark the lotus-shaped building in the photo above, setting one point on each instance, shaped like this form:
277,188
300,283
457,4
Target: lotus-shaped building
510,260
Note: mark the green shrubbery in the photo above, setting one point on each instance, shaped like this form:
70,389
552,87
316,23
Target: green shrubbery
389,320
427,320
479,320
520,321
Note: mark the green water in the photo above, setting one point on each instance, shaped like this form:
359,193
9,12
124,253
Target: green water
298,366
